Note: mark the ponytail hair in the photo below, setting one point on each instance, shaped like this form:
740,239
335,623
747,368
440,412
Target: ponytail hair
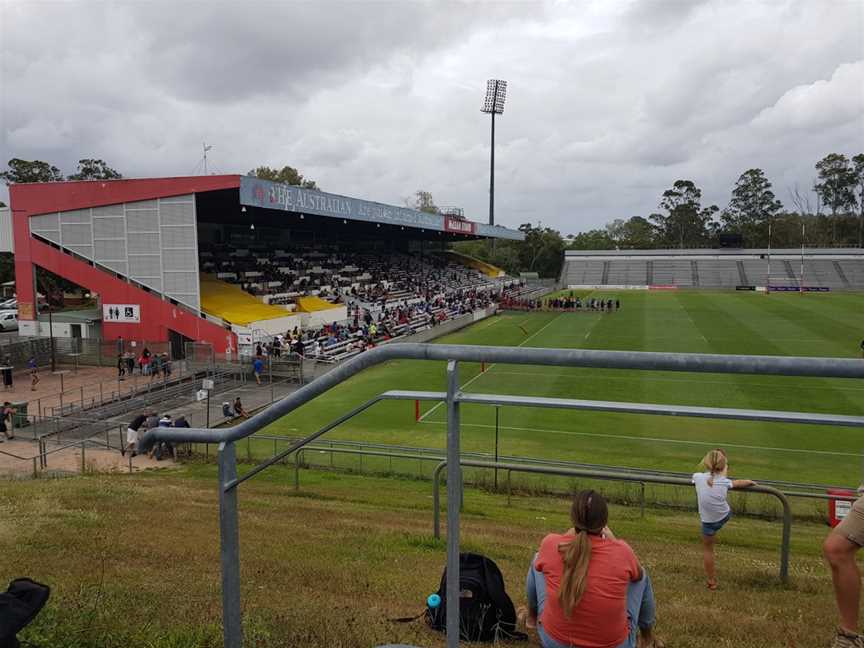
715,463
589,515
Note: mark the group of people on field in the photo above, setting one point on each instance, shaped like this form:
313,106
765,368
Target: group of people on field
563,303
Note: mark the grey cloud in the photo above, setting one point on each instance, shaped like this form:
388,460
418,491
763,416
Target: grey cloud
609,103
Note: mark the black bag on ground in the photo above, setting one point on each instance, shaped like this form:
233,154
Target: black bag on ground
19,605
486,613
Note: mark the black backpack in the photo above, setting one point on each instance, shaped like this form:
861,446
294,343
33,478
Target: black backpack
486,613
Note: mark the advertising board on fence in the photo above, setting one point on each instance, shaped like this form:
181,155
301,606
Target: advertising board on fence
606,287
799,289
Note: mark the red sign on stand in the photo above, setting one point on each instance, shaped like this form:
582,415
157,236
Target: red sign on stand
458,226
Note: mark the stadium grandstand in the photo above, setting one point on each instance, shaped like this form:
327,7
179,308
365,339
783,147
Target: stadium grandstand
233,260
755,269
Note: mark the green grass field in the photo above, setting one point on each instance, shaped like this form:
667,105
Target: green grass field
829,325
133,559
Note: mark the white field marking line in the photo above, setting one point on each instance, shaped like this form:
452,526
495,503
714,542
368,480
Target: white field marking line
489,368
625,437
686,312
552,374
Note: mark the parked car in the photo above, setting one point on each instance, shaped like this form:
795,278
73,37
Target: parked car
8,320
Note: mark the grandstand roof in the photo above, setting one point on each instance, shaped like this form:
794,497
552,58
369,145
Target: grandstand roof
255,192
51,197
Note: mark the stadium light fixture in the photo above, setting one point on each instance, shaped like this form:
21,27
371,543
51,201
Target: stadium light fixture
496,94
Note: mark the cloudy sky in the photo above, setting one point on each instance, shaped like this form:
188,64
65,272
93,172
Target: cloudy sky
609,101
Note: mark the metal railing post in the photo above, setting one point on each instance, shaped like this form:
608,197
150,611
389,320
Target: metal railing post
454,497
787,533
83,457
642,499
229,549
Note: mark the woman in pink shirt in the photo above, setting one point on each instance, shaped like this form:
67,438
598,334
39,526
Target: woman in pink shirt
586,589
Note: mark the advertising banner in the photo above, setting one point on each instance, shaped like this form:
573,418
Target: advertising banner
458,226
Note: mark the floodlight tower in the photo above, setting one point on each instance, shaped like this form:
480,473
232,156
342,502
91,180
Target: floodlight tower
496,93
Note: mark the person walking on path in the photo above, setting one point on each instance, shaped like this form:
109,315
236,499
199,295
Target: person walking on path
258,369
7,374
34,373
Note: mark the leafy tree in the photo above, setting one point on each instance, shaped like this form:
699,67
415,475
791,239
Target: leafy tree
92,169
752,208
542,251
424,202
686,223
595,239
634,233
21,171
835,186
286,175
858,169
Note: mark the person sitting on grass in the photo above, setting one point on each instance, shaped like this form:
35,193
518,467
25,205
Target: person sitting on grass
714,511
587,588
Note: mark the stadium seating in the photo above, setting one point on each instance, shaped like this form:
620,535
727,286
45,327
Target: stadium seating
692,272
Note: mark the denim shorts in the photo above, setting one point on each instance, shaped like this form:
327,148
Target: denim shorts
711,528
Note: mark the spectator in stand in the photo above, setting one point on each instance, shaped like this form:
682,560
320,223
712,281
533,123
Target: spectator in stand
259,351
587,588
121,367
130,363
277,347
166,365
238,409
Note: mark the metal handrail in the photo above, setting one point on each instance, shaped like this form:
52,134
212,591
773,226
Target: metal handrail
611,476
454,397
420,456
436,453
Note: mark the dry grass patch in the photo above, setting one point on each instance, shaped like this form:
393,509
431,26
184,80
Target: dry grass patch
133,562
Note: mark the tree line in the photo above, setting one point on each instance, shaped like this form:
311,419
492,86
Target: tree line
830,214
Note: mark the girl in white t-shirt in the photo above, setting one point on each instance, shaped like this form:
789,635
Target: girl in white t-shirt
711,489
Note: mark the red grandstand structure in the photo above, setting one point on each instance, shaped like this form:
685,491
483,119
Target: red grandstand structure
152,251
